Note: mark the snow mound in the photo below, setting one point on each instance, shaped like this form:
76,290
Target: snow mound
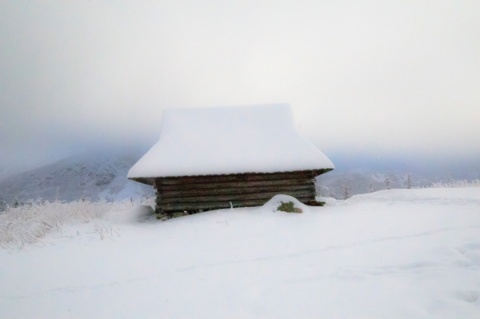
277,201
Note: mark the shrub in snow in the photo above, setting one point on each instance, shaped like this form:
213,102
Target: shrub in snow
288,207
285,203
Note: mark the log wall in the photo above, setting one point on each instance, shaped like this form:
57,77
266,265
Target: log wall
200,193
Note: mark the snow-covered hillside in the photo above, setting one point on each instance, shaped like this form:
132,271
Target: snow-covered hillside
359,174
96,176
344,183
102,175
388,254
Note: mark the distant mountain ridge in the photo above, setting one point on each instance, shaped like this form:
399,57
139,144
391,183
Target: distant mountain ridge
342,185
94,176
366,173
102,175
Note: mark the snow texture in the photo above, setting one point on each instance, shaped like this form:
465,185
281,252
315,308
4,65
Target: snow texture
226,140
94,176
390,254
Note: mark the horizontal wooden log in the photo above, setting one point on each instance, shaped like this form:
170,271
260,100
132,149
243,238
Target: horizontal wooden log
205,206
167,208
203,179
229,190
216,185
232,197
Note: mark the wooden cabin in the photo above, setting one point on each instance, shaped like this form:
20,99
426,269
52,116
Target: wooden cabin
221,157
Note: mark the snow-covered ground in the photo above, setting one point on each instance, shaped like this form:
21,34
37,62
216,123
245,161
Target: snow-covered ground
389,254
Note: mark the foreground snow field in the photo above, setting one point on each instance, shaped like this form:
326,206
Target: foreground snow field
389,254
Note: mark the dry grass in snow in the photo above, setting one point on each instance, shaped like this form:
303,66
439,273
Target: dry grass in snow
27,224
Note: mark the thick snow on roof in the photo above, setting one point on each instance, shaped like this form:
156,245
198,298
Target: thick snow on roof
228,140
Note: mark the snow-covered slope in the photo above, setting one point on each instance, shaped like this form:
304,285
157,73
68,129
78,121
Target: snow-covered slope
388,254
4,173
360,174
93,175
344,183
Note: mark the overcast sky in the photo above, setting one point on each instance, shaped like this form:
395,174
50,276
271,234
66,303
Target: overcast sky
380,77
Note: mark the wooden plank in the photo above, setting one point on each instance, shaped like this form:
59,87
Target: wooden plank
226,200
238,177
216,185
234,178
233,197
228,190
217,205
234,194
204,206
254,194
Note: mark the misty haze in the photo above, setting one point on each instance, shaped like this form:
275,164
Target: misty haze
386,93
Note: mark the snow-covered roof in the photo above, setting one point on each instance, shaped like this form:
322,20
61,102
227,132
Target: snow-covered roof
229,140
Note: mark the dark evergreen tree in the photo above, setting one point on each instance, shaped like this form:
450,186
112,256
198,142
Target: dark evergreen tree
371,188
346,191
3,205
387,183
409,182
